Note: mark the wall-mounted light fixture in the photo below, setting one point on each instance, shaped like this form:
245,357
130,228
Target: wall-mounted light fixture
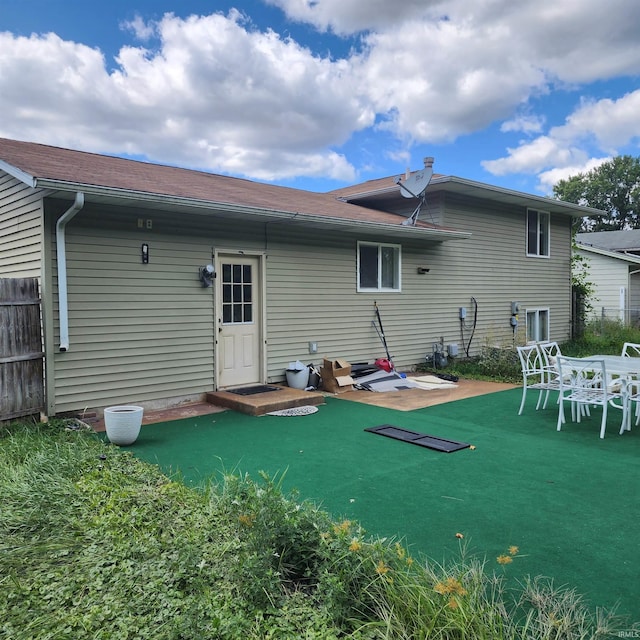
145,253
423,270
207,274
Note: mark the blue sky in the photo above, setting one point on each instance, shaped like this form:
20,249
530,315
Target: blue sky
319,94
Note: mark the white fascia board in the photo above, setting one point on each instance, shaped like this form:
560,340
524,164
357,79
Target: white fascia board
625,257
544,202
19,174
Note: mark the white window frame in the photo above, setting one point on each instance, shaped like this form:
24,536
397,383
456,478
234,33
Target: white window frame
533,332
397,249
542,230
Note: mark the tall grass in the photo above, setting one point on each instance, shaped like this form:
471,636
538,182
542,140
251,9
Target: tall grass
602,336
502,363
96,544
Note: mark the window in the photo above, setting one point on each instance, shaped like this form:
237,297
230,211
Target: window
537,233
237,293
378,267
537,325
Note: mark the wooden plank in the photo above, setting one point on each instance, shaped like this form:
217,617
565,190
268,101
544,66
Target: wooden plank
21,355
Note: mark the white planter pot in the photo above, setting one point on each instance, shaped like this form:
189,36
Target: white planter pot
123,423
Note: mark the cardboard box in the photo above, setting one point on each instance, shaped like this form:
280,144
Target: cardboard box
336,376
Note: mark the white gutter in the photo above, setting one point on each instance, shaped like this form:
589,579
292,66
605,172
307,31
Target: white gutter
61,257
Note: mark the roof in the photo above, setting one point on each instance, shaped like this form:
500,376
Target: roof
385,188
616,255
358,209
109,179
626,240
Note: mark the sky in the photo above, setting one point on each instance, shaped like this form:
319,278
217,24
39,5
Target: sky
321,94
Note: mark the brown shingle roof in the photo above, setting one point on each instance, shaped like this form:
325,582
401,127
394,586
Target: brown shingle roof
371,186
67,169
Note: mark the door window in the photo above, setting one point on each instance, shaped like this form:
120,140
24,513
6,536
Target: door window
237,293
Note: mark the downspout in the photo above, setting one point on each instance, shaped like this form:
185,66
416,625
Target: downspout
61,257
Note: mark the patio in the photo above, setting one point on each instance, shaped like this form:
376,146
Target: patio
567,499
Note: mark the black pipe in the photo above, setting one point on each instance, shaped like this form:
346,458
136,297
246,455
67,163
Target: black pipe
381,333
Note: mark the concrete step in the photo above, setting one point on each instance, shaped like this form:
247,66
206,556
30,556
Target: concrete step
260,403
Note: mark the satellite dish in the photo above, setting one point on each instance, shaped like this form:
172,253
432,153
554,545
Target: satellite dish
414,184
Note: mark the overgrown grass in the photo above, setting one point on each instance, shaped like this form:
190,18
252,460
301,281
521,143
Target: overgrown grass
502,363
97,544
602,336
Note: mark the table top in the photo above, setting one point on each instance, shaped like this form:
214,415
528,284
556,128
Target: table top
618,364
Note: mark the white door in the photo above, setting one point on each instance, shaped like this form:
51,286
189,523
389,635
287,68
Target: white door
239,321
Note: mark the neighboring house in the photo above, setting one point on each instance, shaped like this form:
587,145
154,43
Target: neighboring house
119,247
614,271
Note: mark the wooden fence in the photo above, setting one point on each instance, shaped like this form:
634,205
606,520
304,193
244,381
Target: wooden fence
21,355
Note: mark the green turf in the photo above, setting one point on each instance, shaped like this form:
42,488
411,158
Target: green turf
568,500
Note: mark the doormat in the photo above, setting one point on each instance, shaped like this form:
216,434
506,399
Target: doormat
421,439
294,411
250,391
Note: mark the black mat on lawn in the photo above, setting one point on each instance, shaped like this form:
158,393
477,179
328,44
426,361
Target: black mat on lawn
421,439
249,391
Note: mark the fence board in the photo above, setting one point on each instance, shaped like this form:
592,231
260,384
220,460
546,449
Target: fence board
21,355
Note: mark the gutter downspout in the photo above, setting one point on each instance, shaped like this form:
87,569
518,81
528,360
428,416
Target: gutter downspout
61,257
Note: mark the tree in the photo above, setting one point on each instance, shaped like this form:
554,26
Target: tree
613,187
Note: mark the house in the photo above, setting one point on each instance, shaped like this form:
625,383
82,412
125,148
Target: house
613,259
125,252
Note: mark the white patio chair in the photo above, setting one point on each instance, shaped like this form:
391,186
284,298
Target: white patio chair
631,350
584,383
549,352
534,375
633,397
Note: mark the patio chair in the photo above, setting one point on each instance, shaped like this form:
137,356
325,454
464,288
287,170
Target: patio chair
633,397
549,352
534,375
631,350
584,383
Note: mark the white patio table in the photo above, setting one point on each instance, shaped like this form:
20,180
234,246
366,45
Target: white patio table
625,368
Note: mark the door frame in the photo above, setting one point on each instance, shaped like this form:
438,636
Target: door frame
219,255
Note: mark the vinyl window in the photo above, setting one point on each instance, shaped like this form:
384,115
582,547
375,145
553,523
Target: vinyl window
378,267
537,325
538,225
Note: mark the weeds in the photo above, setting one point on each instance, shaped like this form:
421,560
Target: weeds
502,364
96,544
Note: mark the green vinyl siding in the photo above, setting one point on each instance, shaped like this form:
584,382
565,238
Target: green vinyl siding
20,229
144,333
138,332
312,290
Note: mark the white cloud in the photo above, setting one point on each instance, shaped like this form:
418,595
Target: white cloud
346,17
142,30
535,156
214,95
434,85
602,125
527,124
218,93
611,122
548,179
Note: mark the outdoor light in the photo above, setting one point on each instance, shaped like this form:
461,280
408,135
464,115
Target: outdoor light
207,273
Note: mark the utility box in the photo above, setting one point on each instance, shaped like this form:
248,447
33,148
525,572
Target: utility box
336,376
